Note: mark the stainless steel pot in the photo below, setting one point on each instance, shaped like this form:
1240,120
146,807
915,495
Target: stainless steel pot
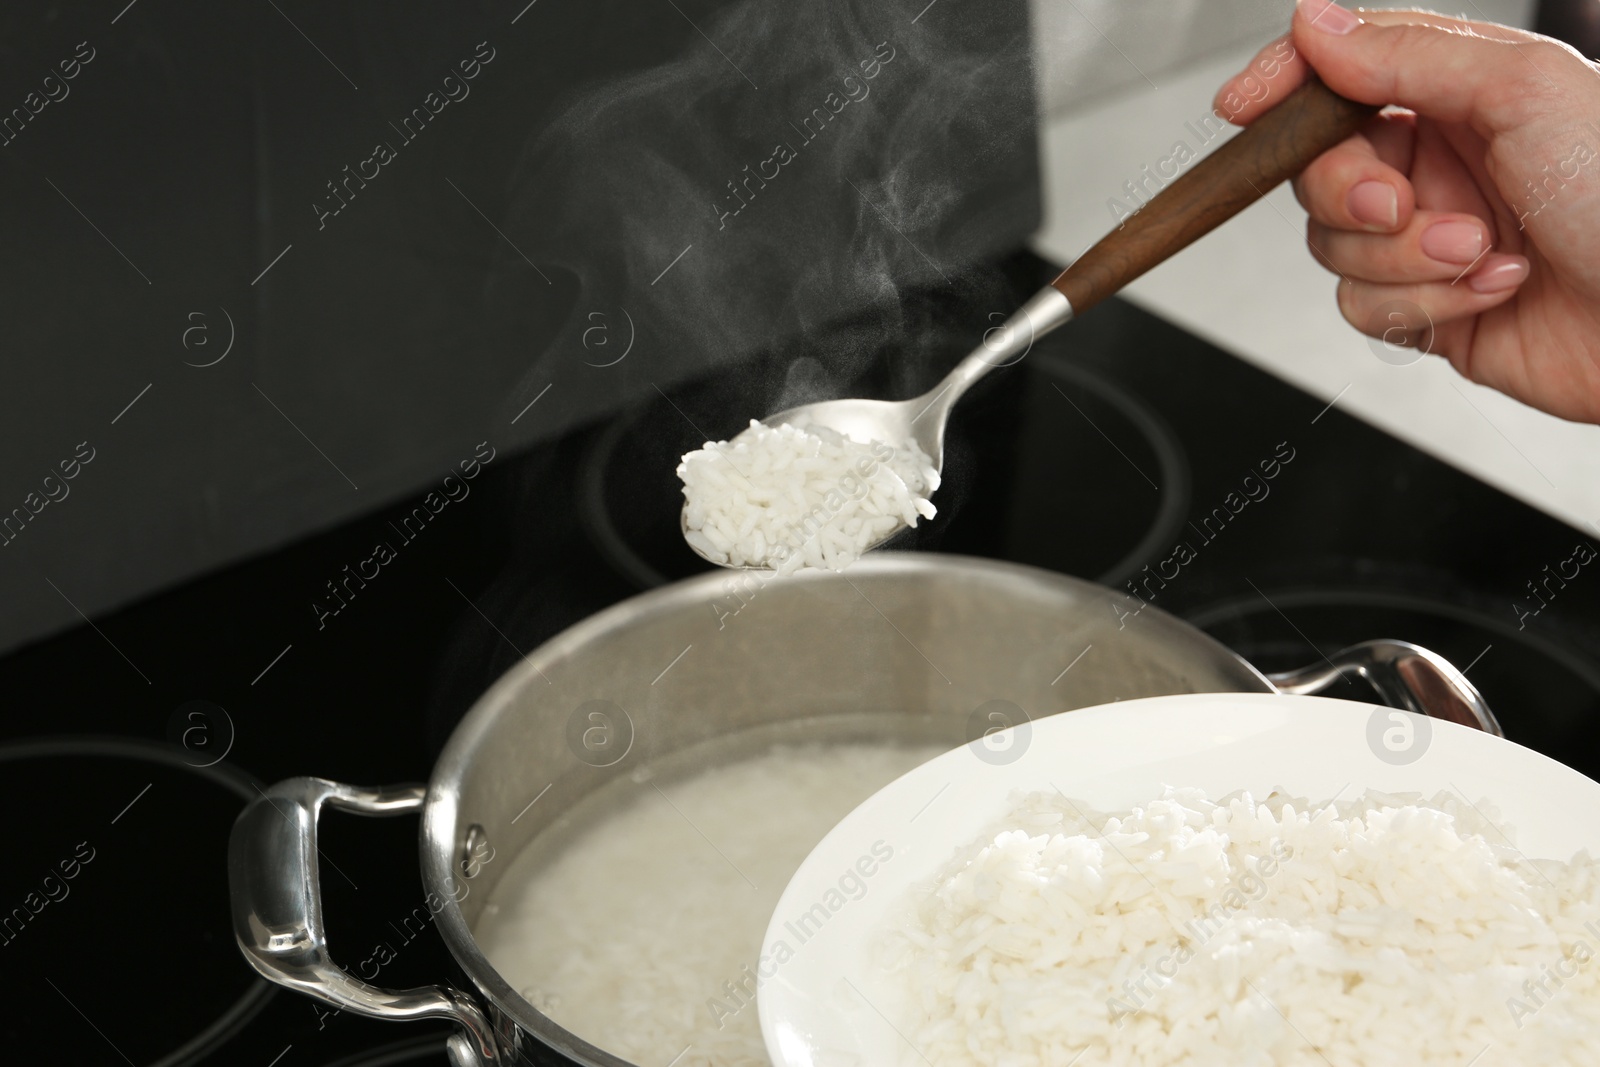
920,647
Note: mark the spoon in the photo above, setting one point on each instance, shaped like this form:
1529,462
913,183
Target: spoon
1276,147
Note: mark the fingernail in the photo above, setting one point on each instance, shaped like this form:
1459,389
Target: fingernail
1499,274
1453,242
1330,17
1374,203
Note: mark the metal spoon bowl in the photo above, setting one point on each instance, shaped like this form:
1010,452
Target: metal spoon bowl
922,419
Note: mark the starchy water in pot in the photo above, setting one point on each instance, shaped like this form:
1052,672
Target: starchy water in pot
643,933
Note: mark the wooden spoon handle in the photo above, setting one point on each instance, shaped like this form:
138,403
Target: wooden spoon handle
1277,146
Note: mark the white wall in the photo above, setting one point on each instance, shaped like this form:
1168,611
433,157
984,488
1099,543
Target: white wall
1089,49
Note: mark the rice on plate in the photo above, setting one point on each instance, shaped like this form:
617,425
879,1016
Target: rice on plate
1383,930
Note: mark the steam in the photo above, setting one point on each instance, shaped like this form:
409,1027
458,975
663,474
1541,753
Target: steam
928,168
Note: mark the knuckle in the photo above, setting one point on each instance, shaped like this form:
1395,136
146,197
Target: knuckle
1300,194
1321,247
1322,191
1551,54
1544,78
1347,297
1391,259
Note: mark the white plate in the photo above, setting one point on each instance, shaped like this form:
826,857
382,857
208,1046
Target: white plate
824,1005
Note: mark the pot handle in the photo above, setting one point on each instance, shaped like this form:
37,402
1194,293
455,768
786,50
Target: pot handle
277,911
1406,676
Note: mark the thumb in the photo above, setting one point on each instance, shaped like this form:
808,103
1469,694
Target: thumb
1451,70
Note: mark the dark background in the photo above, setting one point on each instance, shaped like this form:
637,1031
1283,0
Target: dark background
265,385
518,243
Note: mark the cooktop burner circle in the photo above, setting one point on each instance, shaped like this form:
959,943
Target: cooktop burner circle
1544,690
647,546
129,871
1168,478
425,1049
1047,463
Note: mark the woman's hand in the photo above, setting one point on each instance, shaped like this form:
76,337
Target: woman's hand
1480,204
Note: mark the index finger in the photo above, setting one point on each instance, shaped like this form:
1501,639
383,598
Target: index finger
1279,68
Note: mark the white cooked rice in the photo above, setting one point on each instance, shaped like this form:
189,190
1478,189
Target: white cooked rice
1381,931
631,934
785,498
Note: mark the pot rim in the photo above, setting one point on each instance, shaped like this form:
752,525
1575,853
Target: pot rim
437,841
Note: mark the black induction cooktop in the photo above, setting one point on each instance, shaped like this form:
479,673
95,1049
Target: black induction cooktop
1121,449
